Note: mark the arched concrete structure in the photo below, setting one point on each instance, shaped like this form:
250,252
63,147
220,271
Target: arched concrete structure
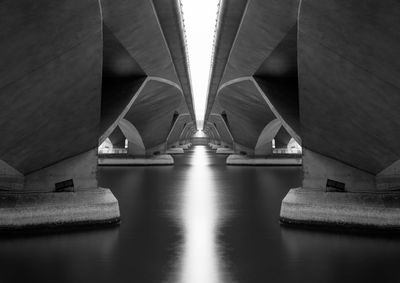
212,130
153,114
282,138
222,129
71,72
261,52
187,133
117,138
246,113
178,129
151,74
135,142
344,115
264,143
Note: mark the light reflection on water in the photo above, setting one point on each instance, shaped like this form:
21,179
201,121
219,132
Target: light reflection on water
200,259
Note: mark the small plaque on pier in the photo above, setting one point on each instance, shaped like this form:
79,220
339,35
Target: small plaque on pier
335,186
65,186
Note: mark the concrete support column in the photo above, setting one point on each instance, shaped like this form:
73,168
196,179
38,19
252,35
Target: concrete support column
334,193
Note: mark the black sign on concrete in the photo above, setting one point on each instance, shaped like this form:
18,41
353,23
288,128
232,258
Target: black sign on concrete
335,186
65,186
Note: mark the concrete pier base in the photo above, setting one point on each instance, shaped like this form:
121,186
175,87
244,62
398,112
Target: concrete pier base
175,150
236,159
185,146
163,159
224,150
355,210
214,146
36,210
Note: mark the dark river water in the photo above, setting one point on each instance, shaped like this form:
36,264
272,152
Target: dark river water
200,222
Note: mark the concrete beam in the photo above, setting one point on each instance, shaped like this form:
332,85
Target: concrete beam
171,21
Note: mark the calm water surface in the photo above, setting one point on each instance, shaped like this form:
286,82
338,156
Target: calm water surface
200,222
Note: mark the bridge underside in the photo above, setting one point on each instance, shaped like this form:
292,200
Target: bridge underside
73,76
318,78
328,73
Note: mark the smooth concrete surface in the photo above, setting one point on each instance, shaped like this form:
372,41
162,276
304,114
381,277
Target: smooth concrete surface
247,113
236,159
220,129
145,81
264,142
162,159
368,210
170,17
56,209
153,113
175,150
317,168
229,16
50,81
224,150
359,92
178,129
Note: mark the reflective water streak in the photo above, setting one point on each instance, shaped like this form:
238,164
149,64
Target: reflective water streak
200,260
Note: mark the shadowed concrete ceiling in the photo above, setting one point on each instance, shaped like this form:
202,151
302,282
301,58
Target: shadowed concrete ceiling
122,78
349,87
264,25
169,15
51,75
136,26
144,43
229,16
264,47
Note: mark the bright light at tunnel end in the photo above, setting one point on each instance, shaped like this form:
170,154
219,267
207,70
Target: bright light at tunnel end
200,19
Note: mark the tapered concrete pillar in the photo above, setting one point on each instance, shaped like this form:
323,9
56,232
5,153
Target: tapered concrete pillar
349,115
51,62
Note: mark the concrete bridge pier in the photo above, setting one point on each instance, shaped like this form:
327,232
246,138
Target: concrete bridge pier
349,116
51,73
